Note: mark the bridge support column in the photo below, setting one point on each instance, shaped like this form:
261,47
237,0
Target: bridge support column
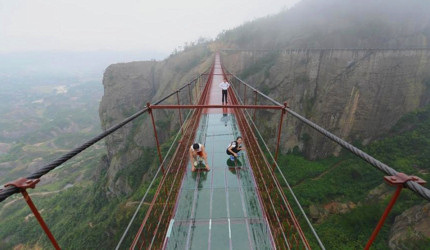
180,114
399,180
23,184
283,112
148,105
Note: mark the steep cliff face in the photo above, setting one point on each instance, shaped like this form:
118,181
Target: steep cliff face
411,229
127,89
356,94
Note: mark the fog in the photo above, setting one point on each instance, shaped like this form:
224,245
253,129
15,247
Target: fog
387,24
78,37
65,37
161,26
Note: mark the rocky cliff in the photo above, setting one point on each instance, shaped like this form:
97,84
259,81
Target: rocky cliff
356,94
127,89
411,229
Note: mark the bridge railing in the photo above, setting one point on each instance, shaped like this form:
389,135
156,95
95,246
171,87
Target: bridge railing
264,120
150,230
165,124
283,216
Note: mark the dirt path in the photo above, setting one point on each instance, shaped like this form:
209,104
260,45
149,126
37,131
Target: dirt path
322,174
36,194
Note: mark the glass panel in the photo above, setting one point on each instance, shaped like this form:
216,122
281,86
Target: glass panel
185,205
239,236
199,236
235,202
219,207
237,177
218,178
220,237
202,204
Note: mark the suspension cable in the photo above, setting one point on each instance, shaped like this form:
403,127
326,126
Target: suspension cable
283,177
5,193
288,185
152,182
160,184
417,188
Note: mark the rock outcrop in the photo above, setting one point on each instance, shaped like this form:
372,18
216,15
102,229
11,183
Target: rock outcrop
127,89
356,94
319,213
410,227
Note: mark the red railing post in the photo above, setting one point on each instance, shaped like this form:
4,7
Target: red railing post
148,105
23,184
399,180
179,111
279,132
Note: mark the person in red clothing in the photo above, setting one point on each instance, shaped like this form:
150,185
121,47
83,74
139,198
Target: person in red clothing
197,152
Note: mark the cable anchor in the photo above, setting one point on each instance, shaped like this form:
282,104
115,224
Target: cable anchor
23,184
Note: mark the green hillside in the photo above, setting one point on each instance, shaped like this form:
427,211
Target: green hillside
349,180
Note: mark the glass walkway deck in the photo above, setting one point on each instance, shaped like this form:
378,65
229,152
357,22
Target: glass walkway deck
219,209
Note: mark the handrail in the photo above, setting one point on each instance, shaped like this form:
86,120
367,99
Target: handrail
5,193
415,187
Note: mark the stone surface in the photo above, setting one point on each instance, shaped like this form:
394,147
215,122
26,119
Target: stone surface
412,225
356,94
127,89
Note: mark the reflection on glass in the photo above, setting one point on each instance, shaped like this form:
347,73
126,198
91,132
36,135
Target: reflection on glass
202,178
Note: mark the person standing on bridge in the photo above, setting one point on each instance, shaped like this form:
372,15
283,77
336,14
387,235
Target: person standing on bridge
224,85
197,151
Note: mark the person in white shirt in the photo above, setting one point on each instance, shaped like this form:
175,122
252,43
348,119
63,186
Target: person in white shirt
234,148
224,85
197,151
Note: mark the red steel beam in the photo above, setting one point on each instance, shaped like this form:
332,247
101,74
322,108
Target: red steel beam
216,106
23,184
398,180
156,136
179,111
279,132
188,133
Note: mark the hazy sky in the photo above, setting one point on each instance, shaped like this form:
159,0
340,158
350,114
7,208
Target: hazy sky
158,25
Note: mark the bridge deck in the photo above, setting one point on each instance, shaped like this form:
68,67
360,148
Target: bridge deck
219,209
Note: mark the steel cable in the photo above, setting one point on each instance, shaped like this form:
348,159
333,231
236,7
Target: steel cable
5,193
285,180
417,188
152,182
